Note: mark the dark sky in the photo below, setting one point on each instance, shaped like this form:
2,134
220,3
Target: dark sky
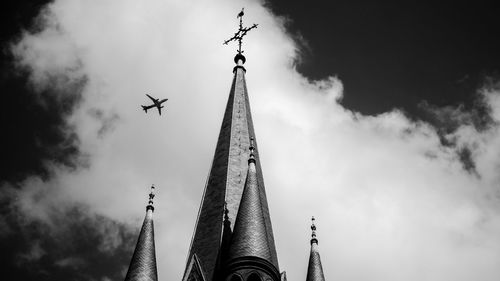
35,133
391,54
31,134
397,53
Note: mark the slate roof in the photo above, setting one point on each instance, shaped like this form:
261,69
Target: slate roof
250,237
143,264
314,269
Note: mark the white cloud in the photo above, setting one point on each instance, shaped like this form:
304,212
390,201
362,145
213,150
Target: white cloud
391,202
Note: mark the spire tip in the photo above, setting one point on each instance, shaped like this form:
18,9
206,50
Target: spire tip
151,197
226,212
251,158
238,37
313,233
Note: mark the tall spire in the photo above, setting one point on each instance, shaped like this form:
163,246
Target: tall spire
143,264
314,270
226,179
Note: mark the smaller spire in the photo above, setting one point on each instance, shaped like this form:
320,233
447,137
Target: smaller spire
226,212
143,263
314,268
226,235
150,201
313,233
250,237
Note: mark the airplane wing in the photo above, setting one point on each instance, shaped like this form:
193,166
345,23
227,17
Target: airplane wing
153,99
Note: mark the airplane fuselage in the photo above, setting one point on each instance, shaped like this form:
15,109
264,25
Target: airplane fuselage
156,103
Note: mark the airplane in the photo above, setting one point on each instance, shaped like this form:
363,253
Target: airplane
157,104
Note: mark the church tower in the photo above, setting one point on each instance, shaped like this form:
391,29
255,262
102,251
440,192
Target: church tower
314,269
234,196
143,264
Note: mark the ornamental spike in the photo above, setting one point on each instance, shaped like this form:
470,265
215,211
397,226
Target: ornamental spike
151,197
313,233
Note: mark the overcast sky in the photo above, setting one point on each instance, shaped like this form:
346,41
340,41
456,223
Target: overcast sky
395,197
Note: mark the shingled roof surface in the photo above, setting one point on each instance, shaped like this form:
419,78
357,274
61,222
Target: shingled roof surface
143,264
315,270
250,237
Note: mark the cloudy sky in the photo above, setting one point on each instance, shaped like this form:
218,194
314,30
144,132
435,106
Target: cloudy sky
382,121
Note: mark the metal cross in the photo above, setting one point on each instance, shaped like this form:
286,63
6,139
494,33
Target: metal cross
242,31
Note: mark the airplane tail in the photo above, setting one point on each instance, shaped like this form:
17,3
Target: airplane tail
144,108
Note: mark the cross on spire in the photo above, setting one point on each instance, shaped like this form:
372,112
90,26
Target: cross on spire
242,31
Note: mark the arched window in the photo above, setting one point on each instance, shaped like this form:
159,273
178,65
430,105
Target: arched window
236,277
254,277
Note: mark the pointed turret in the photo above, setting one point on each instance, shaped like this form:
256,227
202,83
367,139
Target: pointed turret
314,270
226,180
226,236
250,237
143,264
250,244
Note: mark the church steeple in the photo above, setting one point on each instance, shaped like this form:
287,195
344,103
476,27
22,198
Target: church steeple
314,270
227,178
143,264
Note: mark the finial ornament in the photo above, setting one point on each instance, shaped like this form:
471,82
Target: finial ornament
313,234
226,212
242,31
251,158
151,197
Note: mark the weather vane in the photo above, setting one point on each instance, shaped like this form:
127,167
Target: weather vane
242,31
